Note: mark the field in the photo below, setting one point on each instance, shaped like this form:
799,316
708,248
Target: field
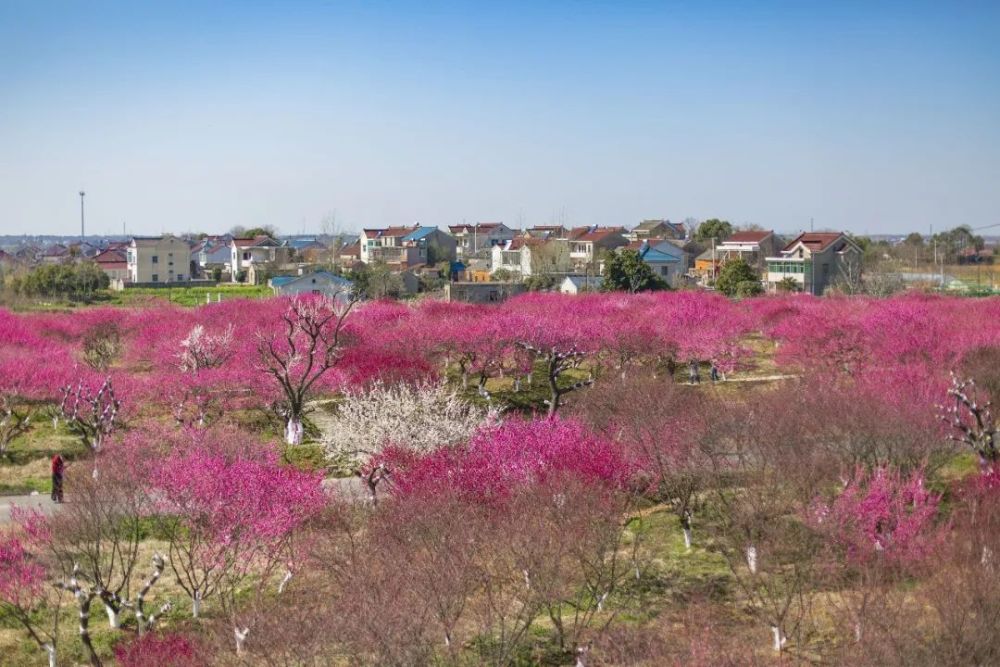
554,480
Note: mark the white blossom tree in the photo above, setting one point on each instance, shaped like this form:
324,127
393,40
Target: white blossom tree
422,418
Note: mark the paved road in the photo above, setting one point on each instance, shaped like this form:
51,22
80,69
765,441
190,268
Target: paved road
348,487
41,501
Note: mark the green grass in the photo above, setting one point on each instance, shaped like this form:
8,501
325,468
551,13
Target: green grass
187,296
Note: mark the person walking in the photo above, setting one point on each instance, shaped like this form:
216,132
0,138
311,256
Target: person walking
693,375
714,373
58,467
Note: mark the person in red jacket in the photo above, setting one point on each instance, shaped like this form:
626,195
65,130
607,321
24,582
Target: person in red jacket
58,466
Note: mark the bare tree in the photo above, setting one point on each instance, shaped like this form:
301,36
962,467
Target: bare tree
90,415
972,422
14,421
557,362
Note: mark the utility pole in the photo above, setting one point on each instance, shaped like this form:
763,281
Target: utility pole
83,232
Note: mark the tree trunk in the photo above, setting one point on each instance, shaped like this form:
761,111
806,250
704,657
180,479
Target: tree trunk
196,605
779,639
687,539
114,618
241,638
752,559
51,651
293,431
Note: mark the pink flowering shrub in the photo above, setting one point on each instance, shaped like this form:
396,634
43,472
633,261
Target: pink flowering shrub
160,650
882,516
518,453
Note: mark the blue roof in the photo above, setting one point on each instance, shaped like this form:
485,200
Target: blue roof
653,255
279,281
419,233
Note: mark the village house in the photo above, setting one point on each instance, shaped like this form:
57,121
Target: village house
750,246
158,259
316,282
814,261
114,263
250,258
581,284
587,244
432,245
547,232
386,245
479,236
658,229
667,260
525,257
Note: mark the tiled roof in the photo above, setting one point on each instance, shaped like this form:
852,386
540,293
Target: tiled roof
748,237
390,231
815,241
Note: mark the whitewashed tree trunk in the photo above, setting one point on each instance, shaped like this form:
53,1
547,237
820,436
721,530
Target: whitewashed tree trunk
517,385
857,632
293,431
114,618
284,581
55,423
779,639
687,539
241,638
465,380
196,605
752,559
51,651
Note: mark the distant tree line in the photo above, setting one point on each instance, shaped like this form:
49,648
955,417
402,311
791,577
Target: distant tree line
78,281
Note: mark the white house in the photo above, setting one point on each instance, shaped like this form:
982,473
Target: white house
482,235
531,256
318,282
813,261
578,284
245,253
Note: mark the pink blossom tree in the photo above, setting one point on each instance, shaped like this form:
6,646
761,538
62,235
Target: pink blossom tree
308,346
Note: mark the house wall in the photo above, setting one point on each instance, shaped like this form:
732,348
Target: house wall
166,260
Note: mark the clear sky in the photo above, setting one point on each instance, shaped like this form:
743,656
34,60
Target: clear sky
874,117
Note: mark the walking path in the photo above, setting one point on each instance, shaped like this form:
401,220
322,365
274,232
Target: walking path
40,501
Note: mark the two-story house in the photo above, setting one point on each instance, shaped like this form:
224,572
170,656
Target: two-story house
248,256
471,239
386,245
814,261
158,259
751,246
667,260
658,229
525,256
432,245
114,263
587,244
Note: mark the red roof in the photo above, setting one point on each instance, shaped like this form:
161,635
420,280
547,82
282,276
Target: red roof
390,231
482,227
815,241
748,237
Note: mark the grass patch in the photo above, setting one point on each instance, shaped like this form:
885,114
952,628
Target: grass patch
186,296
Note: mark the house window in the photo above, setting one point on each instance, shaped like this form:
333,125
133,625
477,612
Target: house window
156,259
156,277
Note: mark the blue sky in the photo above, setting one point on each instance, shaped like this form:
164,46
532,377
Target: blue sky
874,117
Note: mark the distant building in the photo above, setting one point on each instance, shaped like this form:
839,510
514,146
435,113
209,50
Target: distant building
751,247
317,282
579,284
481,235
386,245
587,243
814,261
158,259
658,229
495,292
248,257
114,263
666,259
432,244
526,257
